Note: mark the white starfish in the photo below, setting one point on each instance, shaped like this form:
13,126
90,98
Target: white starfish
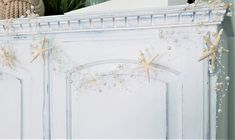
147,64
40,51
213,49
7,58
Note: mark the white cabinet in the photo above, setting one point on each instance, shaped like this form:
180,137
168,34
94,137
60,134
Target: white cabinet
134,75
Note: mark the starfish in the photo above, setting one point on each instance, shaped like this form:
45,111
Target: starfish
147,64
213,49
40,51
7,58
31,14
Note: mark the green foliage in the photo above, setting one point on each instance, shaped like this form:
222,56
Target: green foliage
58,7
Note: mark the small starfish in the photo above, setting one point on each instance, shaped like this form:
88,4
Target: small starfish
7,58
31,14
147,65
213,49
40,51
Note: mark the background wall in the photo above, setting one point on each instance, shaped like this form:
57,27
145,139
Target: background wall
176,2
231,96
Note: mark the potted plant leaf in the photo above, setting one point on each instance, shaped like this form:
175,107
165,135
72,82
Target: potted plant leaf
58,7
93,2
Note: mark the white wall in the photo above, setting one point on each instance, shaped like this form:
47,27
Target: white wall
176,2
231,96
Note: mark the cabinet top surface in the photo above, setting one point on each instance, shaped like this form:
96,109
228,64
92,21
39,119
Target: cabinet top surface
172,16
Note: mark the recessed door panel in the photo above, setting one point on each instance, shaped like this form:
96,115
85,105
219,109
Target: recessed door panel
140,114
124,104
10,107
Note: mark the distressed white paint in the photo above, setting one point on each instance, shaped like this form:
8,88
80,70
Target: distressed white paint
88,41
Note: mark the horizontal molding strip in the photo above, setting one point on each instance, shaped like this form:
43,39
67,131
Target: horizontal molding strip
174,16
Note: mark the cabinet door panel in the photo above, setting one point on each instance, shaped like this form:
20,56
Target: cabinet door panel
184,92
117,106
34,87
119,115
10,108
107,103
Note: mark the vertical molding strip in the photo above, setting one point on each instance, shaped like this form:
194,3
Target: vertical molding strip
206,102
167,113
24,105
21,109
68,107
213,108
47,96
